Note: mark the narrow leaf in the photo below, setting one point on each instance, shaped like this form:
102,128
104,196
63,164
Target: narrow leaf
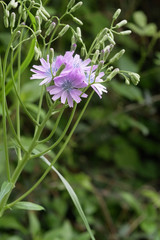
28,206
73,197
6,187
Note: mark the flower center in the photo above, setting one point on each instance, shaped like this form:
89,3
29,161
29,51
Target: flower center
67,85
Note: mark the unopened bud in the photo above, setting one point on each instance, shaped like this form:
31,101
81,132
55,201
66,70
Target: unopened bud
79,32
100,65
117,56
135,77
73,39
103,39
47,24
127,80
112,74
102,54
95,56
51,55
82,51
70,4
73,47
12,4
50,29
60,69
43,10
111,40
77,21
6,13
63,31
78,5
121,24
18,34
38,32
38,53
38,22
6,22
20,10
42,15
116,14
24,15
12,20
127,32
107,51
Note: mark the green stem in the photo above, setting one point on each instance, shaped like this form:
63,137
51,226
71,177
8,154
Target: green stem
56,157
61,137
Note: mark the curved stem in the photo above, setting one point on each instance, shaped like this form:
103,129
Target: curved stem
56,157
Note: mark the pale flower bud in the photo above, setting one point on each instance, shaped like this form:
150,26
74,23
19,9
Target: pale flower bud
78,5
63,31
112,74
121,24
116,14
117,56
12,20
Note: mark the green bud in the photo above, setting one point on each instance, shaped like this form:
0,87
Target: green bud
73,39
103,39
121,24
50,29
18,34
42,15
79,34
73,47
60,69
38,53
78,5
47,24
38,22
127,32
6,22
43,10
77,21
70,4
95,56
112,74
117,56
63,31
38,32
24,15
12,20
100,65
12,4
116,14
20,10
51,55
111,40
82,51
135,77
127,80
6,13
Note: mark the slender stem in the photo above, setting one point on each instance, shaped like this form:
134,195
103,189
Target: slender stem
54,129
39,108
18,104
61,137
56,157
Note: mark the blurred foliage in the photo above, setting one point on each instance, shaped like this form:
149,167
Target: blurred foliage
112,161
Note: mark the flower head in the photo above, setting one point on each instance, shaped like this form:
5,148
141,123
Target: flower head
96,83
68,88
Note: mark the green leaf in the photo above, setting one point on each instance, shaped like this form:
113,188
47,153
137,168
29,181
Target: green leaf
140,18
28,206
34,224
150,30
6,187
73,197
9,222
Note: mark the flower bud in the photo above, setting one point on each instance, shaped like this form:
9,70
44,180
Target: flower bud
135,77
70,4
127,32
47,24
6,13
50,29
73,39
127,80
38,22
38,53
112,74
107,51
102,54
78,5
95,56
12,4
73,47
103,39
20,10
121,24
12,20
117,56
38,32
43,10
42,15
6,22
51,55
82,51
60,69
100,65
63,31
111,40
79,32
24,15
77,21
116,14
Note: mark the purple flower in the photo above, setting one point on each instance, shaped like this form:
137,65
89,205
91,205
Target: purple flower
68,88
96,83
46,71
